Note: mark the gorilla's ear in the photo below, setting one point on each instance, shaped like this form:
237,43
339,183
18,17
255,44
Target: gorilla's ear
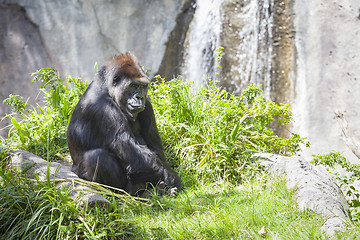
101,72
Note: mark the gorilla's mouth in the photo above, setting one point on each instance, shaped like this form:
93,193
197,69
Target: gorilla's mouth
136,105
132,111
134,108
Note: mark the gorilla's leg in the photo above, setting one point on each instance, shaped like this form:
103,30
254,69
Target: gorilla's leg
100,165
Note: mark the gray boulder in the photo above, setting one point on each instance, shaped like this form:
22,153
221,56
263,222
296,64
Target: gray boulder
314,189
61,173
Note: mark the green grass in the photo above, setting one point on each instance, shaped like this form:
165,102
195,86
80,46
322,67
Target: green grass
224,211
211,210
217,210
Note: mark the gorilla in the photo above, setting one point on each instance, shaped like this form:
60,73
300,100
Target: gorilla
112,134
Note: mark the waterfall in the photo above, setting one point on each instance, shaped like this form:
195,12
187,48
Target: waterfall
246,36
203,40
254,53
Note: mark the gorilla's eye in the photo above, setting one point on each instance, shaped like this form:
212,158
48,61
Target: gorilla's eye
116,80
134,85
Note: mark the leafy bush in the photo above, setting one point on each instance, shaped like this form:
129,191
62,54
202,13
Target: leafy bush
211,133
42,130
208,133
347,182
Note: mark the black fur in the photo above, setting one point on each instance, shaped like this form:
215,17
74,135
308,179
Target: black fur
110,144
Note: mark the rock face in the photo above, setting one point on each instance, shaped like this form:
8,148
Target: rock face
314,189
327,71
304,53
171,65
22,52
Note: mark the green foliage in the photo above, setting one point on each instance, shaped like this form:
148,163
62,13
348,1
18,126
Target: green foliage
219,55
42,129
16,104
347,182
330,160
210,133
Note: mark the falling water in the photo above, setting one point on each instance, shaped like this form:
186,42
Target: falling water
203,40
254,53
250,50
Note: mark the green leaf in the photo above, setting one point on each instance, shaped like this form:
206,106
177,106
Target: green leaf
203,161
234,132
16,124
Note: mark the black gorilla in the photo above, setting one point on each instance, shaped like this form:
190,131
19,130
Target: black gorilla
112,134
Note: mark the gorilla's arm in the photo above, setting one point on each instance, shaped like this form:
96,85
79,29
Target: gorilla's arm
145,157
149,130
133,151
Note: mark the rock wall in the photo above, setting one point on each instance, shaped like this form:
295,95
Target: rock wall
22,51
258,40
327,71
74,35
247,38
303,52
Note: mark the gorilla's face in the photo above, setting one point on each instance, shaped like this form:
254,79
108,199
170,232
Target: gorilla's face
135,97
129,93
126,83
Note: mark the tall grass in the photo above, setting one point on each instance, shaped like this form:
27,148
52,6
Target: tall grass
42,129
33,209
210,133
207,133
